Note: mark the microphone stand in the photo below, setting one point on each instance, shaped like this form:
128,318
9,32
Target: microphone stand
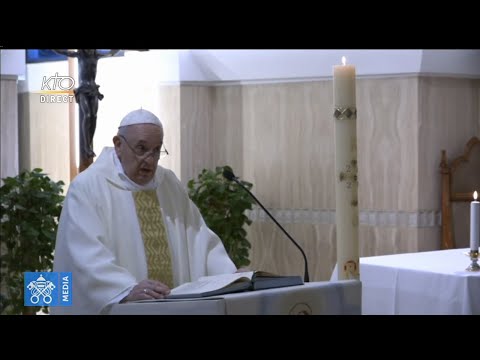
230,176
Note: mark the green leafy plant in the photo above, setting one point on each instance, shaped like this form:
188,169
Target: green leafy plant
222,204
30,207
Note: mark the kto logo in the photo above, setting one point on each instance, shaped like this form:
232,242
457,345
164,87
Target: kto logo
58,89
48,289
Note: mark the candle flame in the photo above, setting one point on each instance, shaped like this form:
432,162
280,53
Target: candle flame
344,60
475,195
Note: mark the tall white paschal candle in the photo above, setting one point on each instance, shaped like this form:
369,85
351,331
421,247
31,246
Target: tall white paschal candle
474,223
346,184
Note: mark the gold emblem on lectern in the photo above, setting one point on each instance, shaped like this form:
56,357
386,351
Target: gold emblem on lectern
300,309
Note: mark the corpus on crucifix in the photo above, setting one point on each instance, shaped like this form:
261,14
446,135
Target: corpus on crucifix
87,96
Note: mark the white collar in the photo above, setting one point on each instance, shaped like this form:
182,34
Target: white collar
129,184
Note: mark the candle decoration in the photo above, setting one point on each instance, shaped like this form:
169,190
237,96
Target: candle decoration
346,184
474,233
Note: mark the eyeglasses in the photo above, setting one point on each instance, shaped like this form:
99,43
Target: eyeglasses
142,152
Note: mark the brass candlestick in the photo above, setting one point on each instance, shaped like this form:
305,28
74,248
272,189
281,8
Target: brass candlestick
474,257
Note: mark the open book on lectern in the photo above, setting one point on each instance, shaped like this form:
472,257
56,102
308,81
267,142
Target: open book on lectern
231,283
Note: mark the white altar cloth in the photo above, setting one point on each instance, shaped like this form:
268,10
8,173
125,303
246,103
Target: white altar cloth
430,283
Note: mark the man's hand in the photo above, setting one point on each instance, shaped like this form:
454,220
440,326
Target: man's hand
146,290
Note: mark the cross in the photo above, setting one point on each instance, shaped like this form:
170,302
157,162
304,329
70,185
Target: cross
87,96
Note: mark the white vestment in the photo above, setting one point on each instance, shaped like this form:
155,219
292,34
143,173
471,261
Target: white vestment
100,242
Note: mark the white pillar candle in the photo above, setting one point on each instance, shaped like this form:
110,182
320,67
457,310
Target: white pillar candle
344,85
346,185
474,223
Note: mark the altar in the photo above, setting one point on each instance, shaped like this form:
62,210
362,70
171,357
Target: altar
424,283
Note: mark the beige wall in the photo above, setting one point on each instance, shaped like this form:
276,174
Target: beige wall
169,112
44,137
195,133
8,127
280,137
449,116
227,127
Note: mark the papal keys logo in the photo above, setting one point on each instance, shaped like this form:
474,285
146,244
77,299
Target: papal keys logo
48,289
57,89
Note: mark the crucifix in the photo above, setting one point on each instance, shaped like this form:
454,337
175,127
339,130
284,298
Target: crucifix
87,96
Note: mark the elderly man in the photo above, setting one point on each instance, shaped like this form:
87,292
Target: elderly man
128,230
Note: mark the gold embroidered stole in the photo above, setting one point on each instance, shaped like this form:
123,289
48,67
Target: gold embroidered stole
154,236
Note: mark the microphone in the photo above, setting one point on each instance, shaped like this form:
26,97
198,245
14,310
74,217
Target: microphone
229,176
